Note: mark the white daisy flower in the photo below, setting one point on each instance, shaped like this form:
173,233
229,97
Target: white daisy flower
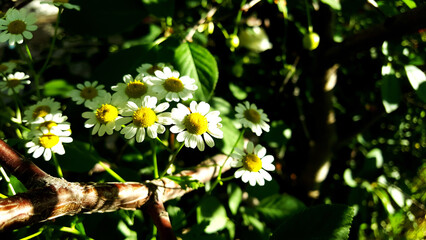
145,118
168,85
148,69
52,121
253,165
46,142
87,92
7,67
17,25
14,82
41,109
252,117
194,123
132,88
104,115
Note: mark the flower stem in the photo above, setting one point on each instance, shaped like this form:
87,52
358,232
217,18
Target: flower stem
154,159
33,235
172,160
308,16
52,44
111,172
9,184
58,167
238,19
219,175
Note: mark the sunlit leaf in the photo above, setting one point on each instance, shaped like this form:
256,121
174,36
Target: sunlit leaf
238,93
391,90
335,4
320,222
274,208
417,79
212,211
235,196
57,87
196,61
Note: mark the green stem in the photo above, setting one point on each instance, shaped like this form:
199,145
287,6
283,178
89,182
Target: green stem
172,160
154,159
9,184
33,235
164,145
58,167
29,59
111,172
52,44
238,19
308,16
219,175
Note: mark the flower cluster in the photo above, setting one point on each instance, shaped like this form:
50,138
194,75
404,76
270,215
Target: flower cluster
49,129
253,163
138,107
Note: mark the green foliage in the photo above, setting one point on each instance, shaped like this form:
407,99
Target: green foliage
186,182
320,222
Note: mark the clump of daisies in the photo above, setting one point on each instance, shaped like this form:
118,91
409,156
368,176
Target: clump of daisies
17,25
49,129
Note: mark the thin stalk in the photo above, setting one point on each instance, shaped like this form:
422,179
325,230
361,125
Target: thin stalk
58,167
219,175
52,44
9,184
171,161
154,159
238,19
308,16
164,145
33,235
111,172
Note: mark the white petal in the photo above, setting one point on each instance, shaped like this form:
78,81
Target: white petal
203,108
209,140
246,176
200,142
38,152
249,147
140,135
47,154
239,172
260,151
265,175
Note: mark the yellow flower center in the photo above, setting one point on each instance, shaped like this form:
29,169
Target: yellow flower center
173,84
89,93
48,124
136,89
3,68
252,162
60,1
252,115
48,140
154,68
144,117
41,111
106,113
11,83
16,27
196,123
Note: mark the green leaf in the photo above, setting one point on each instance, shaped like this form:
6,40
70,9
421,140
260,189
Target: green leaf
235,196
410,3
196,62
391,90
325,222
212,211
186,182
417,80
238,93
103,17
276,207
77,157
177,217
57,87
335,4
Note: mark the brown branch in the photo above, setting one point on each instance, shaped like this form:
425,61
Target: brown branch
394,27
58,197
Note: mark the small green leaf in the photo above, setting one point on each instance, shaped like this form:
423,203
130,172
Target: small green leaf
410,3
417,80
186,182
391,90
57,87
238,93
335,4
212,211
177,217
235,196
196,62
276,207
325,222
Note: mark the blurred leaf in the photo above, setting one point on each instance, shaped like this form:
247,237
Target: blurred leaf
385,199
417,79
103,17
223,106
349,180
186,182
391,90
196,61
126,231
235,196
57,87
325,222
238,93
177,217
261,192
276,207
376,153
212,211
410,3
160,8
397,195
17,186
278,135
335,4
231,133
